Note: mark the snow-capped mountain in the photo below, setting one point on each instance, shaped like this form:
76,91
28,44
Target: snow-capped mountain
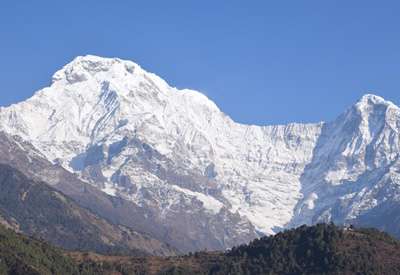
355,166
174,153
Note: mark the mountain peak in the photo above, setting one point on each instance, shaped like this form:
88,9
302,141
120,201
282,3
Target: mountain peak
370,100
121,77
96,63
373,99
83,68
371,105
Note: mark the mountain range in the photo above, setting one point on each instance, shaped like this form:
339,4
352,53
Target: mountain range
138,153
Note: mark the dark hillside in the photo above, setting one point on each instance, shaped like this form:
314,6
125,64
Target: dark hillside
36,209
22,255
320,249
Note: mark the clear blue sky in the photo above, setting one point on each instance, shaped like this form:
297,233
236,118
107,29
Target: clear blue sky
262,62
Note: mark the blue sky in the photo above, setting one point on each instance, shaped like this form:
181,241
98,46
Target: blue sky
262,62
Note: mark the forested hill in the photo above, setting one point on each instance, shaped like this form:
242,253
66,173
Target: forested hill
23,255
320,249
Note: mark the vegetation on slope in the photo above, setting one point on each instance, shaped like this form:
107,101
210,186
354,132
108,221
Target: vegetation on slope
36,209
320,249
23,255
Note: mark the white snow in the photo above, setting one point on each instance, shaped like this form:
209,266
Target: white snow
265,174
209,202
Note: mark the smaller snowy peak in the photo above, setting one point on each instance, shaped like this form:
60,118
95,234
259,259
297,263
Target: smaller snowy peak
371,107
198,100
371,100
